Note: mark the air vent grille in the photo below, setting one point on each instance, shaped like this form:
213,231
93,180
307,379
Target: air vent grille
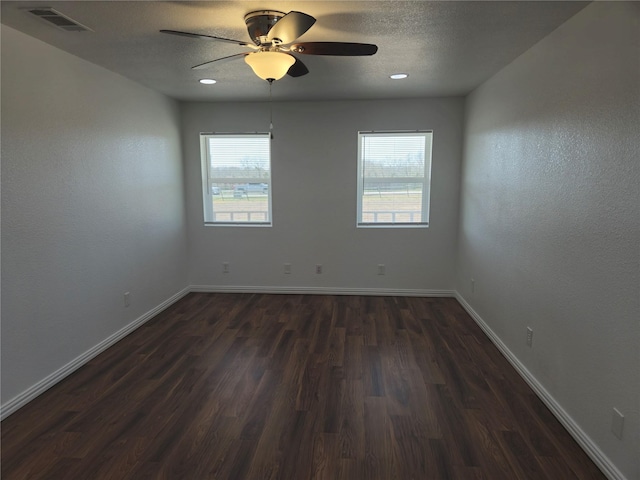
59,20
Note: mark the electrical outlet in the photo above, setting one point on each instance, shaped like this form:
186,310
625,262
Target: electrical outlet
381,269
617,423
225,267
127,299
287,268
318,269
529,336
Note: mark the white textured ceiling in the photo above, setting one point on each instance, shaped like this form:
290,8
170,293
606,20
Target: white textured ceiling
447,48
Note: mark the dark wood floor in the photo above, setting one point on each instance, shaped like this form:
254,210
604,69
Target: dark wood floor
244,386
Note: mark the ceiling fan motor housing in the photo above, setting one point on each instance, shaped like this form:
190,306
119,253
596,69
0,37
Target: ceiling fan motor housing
260,22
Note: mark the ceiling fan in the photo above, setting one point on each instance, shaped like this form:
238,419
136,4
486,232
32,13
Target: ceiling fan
273,34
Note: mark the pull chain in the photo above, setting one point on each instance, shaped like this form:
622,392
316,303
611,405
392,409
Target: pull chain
270,110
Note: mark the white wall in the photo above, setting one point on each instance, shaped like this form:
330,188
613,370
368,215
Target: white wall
549,225
314,160
92,206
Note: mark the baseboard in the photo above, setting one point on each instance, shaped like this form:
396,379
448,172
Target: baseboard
25,397
382,292
588,445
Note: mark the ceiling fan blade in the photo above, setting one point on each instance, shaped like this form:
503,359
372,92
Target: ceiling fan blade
290,27
207,37
219,60
298,69
334,48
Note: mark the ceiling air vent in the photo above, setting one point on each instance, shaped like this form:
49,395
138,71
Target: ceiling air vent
59,20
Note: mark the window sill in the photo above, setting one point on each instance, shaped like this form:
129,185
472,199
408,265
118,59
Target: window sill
392,225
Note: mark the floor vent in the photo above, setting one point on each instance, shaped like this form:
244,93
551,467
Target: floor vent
59,20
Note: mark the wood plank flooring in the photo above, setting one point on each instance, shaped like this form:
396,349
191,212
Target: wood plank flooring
295,387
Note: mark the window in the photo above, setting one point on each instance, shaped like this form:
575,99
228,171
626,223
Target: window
236,179
394,176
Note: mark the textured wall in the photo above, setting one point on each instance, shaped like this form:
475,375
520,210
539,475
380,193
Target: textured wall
314,170
550,218
92,206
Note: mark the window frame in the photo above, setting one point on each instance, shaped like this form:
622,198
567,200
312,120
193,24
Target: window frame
425,180
208,180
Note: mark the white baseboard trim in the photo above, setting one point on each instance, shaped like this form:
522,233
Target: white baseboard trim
32,392
382,292
588,445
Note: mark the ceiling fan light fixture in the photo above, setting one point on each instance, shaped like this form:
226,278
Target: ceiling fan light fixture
270,65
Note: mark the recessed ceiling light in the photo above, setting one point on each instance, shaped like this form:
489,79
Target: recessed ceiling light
398,76
208,81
